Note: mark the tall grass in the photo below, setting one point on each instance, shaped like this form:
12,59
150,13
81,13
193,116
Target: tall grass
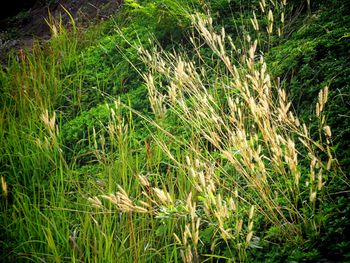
249,155
226,167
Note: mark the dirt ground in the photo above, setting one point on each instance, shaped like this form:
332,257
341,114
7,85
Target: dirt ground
19,31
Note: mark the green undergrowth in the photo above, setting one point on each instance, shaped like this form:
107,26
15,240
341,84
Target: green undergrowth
158,136
314,56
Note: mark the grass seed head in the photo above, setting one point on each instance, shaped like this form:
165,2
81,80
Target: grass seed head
4,186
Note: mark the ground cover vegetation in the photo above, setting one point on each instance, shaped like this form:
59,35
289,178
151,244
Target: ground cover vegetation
180,131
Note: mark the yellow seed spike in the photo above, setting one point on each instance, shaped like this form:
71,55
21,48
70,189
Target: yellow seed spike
313,197
249,236
4,186
270,16
327,130
251,212
262,7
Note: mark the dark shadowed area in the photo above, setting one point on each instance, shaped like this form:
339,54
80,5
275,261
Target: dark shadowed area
21,21
14,7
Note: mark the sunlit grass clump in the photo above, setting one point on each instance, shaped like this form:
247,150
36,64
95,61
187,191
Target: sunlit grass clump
249,157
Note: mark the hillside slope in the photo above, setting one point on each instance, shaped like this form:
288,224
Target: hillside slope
180,131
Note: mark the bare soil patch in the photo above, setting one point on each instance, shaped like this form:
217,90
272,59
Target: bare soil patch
19,31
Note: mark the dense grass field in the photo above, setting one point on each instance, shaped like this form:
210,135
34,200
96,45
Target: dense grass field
180,131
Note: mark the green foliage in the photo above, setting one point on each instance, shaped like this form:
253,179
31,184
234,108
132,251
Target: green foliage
315,56
77,134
